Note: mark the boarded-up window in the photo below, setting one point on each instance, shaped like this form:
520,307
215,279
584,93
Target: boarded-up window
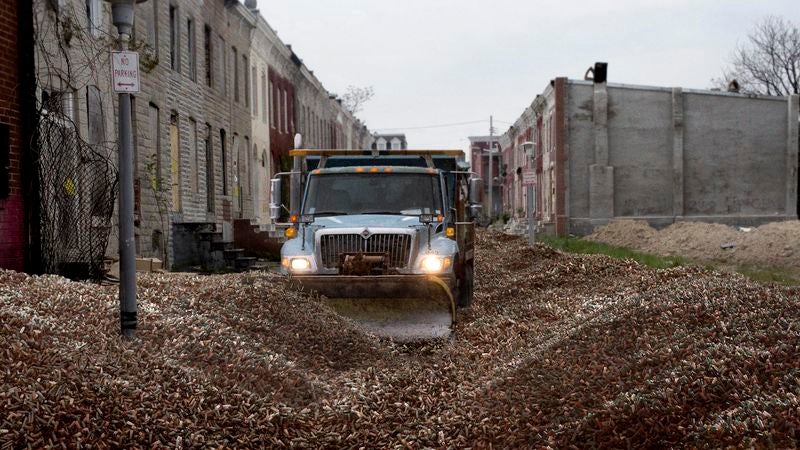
193,169
209,148
153,122
175,162
224,159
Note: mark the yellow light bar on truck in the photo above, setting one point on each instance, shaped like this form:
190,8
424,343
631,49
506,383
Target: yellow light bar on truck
308,152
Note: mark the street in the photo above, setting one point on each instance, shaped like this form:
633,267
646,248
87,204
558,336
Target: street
557,350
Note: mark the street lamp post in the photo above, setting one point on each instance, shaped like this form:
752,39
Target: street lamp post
122,15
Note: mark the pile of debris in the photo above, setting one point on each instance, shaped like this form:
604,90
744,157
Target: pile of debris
557,350
773,245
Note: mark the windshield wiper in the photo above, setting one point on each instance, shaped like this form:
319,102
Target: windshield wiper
330,213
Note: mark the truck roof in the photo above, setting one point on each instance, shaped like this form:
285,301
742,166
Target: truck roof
371,168
446,160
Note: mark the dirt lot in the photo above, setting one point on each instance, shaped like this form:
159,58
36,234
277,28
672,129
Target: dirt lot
775,245
557,350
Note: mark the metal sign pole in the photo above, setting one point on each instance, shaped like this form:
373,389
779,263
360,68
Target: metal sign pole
122,12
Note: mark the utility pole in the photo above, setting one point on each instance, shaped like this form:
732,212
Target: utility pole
122,13
491,170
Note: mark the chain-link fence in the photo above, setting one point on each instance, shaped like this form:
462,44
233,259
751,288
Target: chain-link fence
78,187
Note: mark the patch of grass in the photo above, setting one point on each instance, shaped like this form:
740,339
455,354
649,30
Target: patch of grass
578,245
769,276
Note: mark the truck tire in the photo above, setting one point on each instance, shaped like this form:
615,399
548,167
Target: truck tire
465,287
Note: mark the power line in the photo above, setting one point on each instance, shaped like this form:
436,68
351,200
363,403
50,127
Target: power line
444,125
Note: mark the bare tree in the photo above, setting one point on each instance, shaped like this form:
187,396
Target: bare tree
769,63
355,97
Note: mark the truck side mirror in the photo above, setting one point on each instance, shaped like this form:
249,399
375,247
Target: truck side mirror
275,199
475,190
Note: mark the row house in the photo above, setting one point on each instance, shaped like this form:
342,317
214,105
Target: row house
481,149
288,99
221,99
519,153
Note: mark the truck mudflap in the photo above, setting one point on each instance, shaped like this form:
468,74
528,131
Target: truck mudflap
401,307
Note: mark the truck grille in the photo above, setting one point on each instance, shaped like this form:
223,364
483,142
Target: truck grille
396,246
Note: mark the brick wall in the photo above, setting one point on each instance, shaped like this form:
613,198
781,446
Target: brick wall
12,207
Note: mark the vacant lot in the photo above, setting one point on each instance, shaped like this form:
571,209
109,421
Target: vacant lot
557,350
770,247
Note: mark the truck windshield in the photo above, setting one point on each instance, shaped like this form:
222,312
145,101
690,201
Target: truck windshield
366,193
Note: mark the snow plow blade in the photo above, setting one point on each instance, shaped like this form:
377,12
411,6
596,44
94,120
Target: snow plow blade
401,307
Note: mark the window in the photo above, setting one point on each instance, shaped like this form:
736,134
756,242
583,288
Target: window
223,67
94,112
151,22
246,177
193,169
190,49
285,121
235,57
153,121
271,105
174,39
222,145
175,162
246,74
264,95
61,105
279,109
209,148
254,79
94,16
208,51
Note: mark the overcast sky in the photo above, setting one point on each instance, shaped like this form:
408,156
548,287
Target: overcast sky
434,62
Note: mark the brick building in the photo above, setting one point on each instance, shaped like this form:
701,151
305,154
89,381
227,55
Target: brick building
479,153
17,188
605,151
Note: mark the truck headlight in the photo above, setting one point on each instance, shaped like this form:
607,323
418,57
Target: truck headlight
300,264
435,263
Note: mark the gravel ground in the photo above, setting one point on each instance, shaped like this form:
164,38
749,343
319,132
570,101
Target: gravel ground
557,350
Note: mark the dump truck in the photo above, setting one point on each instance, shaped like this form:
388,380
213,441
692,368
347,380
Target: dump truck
386,237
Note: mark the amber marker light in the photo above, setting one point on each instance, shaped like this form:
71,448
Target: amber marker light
373,170
290,232
439,218
293,218
359,169
450,232
387,169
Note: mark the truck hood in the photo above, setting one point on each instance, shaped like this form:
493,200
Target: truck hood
367,220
